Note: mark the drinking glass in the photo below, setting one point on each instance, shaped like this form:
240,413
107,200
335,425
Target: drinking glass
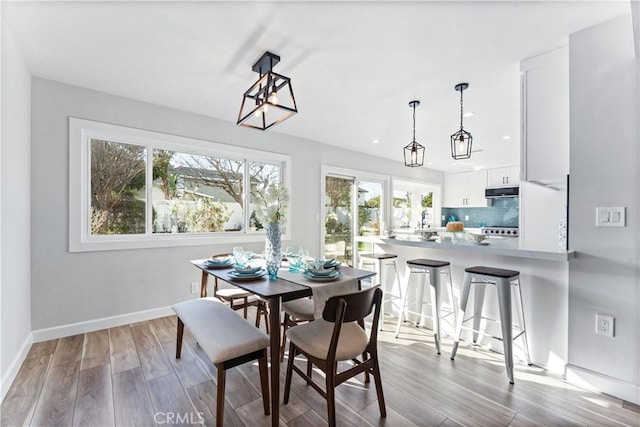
293,256
240,256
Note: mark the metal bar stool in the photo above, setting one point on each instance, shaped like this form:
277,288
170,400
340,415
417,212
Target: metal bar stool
503,280
433,268
378,262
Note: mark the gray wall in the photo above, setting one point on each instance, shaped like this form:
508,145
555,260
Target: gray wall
15,225
604,277
76,287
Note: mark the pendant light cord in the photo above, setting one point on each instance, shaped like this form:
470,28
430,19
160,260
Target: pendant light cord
461,109
414,122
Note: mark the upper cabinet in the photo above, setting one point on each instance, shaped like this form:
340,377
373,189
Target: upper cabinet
465,189
545,117
503,176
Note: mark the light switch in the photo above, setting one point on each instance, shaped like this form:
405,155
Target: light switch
610,216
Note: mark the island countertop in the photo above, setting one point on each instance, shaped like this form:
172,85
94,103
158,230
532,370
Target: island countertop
504,246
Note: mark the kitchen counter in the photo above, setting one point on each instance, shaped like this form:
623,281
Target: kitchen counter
504,246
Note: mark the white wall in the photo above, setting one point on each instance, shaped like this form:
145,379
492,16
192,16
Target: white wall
15,217
604,276
78,287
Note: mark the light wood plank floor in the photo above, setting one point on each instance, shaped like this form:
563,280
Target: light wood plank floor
129,376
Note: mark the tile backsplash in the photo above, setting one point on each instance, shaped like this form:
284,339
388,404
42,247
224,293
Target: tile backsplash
503,213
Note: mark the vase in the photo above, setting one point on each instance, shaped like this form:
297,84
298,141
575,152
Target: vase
273,246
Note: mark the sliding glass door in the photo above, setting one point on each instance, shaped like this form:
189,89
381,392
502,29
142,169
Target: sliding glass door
338,218
353,207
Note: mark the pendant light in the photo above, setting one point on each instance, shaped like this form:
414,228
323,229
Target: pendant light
270,99
414,152
461,140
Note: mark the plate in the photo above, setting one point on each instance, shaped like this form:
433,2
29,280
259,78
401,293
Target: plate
322,278
331,263
322,272
247,270
218,264
236,276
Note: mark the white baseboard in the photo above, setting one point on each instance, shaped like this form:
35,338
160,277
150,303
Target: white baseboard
13,370
98,324
602,383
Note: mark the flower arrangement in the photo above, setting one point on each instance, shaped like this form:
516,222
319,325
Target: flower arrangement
271,203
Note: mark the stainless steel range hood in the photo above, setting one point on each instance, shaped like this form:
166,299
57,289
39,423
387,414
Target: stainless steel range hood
501,192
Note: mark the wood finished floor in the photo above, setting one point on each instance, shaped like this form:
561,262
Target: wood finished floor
129,376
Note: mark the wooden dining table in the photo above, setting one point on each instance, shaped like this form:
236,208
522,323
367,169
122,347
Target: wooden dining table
275,292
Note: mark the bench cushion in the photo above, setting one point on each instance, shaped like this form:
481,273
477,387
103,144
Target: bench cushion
220,331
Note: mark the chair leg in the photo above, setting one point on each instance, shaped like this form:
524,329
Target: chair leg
331,395
464,298
504,303
220,395
434,286
478,302
265,313
404,305
523,326
364,354
245,300
287,381
452,303
264,381
179,338
378,382
284,336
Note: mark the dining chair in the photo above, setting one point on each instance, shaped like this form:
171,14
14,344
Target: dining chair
296,312
239,299
337,337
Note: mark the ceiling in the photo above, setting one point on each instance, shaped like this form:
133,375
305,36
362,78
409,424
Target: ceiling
354,66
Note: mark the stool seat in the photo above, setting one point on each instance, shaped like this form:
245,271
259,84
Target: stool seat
379,256
422,262
491,271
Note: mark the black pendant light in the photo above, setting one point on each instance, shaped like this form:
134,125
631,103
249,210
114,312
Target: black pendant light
461,140
270,99
414,152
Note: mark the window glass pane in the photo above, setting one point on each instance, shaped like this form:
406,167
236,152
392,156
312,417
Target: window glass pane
117,188
261,174
195,193
369,194
401,208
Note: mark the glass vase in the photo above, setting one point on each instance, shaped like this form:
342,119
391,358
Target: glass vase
273,249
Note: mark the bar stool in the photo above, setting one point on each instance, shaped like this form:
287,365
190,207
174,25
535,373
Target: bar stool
433,268
503,280
378,262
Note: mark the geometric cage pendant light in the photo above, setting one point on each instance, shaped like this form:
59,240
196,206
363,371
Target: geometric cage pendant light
461,140
270,99
414,152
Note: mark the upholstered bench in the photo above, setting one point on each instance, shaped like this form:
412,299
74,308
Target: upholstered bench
227,339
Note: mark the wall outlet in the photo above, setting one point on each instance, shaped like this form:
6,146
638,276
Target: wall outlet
604,325
195,287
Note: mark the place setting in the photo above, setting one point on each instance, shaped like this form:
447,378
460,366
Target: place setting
247,273
321,270
219,262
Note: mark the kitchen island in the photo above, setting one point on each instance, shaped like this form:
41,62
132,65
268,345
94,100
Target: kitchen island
543,268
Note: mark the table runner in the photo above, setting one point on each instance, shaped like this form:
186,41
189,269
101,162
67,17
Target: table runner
322,290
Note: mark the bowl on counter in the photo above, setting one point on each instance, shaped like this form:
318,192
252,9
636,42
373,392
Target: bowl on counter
479,238
428,235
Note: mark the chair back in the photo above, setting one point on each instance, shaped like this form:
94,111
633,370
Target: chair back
358,305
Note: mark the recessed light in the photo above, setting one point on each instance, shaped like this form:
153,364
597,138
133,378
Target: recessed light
468,114
375,141
506,137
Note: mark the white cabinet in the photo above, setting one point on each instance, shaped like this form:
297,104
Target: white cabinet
503,176
465,189
545,117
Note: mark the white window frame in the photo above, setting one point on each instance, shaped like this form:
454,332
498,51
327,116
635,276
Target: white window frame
80,134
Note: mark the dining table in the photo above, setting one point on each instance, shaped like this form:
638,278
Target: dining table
286,287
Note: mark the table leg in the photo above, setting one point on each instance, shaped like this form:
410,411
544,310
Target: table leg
274,335
203,284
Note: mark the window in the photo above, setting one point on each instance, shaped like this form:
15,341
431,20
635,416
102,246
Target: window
131,188
413,205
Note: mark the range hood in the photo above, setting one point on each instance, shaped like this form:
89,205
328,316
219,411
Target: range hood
500,192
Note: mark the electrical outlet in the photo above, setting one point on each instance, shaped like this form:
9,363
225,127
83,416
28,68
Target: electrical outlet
604,325
194,287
